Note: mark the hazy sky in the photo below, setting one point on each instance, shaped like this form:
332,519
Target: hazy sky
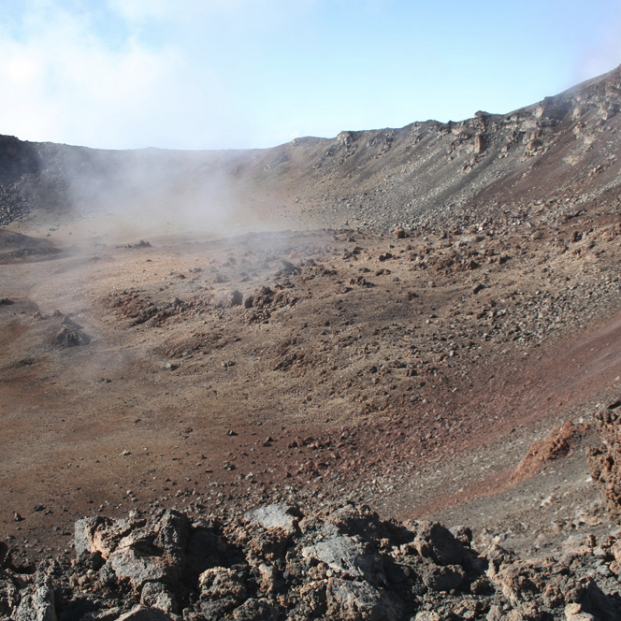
203,74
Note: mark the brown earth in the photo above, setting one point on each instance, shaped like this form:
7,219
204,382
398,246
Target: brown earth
228,373
450,368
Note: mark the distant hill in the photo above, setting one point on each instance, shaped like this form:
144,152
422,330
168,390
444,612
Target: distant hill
562,149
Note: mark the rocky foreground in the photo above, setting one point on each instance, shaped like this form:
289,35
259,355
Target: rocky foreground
278,563
342,562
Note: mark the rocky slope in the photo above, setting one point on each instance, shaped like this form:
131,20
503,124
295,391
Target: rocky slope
196,381
440,350
564,149
406,372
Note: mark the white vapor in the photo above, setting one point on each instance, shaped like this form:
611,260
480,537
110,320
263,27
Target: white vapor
96,76
605,55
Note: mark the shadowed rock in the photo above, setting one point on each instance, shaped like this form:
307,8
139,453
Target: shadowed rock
346,565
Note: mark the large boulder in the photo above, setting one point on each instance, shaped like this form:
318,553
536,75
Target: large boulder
605,460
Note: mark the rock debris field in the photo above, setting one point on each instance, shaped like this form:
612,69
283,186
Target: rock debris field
382,383
425,373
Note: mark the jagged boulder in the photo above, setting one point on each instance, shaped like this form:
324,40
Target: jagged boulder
357,601
345,564
37,601
605,461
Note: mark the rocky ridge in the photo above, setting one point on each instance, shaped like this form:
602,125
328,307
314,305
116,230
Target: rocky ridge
280,563
563,149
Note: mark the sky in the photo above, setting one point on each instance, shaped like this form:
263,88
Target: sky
230,74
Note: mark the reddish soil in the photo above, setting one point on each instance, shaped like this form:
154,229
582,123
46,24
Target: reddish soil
227,373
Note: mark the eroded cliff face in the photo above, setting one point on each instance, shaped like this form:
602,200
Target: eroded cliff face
605,461
277,562
563,148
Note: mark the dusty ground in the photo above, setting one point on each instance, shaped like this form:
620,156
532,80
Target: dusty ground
411,373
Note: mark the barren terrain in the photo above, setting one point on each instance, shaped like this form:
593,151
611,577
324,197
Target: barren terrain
424,320
410,373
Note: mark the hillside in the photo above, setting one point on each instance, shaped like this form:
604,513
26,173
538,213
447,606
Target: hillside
426,320
562,150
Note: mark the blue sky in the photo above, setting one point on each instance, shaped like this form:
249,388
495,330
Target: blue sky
204,74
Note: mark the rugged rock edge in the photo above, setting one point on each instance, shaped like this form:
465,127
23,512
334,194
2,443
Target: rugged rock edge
278,563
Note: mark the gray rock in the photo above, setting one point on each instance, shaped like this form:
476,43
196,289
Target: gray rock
230,299
37,601
157,595
438,543
220,583
358,601
141,613
282,516
83,534
346,555
354,520
9,595
288,268
98,534
128,563
312,599
256,610
443,578
172,534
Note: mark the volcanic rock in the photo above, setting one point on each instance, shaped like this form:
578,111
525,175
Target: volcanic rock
605,461
346,564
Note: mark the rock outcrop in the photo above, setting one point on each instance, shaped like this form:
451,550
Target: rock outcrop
605,461
278,563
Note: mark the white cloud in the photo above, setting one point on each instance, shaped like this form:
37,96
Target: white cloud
239,73
79,73
139,10
604,56
235,13
63,82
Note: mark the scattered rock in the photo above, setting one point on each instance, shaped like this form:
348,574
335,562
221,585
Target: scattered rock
70,334
283,517
231,299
